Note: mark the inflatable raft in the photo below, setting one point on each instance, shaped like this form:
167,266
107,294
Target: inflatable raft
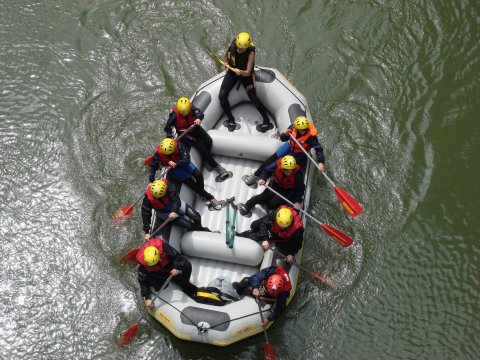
240,152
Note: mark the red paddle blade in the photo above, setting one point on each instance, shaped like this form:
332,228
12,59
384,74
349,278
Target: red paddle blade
123,214
321,278
351,205
268,352
128,335
130,256
148,161
337,235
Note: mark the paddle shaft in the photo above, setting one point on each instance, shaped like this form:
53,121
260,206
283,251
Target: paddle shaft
289,202
268,351
313,273
190,128
310,157
136,201
130,207
165,284
346,200
162,226
216,57
131,255
148,161
261,317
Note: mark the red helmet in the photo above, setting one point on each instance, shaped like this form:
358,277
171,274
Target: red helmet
274,285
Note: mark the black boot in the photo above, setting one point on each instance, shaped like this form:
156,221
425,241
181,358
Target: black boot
241,286
223,173
245,234
264,127
244,210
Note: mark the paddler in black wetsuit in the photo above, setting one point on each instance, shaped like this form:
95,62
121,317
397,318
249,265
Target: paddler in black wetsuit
241,57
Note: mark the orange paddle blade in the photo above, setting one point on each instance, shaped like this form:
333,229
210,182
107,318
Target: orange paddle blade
123,214
268,352
148,161
321,278
128,335
130,256
337,235
351,205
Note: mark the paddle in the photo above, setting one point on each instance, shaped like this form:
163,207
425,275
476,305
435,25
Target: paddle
220,61
148,161
131,255
126,212
132,331
341,238
351,205
268,352
313,273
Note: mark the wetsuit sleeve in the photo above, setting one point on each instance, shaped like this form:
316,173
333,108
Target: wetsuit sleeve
142,276
266,226
279,306
284,137
299,190
174,197
185,159
146,214
198,113
314,144
154,167
170,124
263,232
268,170
176,259
294,244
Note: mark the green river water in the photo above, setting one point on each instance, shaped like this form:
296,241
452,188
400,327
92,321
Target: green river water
394,88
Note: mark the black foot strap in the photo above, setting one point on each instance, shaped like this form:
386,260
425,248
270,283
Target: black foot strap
219,206
264,127
224,176
232,126
253,186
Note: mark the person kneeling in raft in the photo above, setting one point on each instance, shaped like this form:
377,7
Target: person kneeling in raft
271,284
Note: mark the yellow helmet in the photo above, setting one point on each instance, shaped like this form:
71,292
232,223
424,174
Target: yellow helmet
158,188
167,146
284,217
243,41
151,256
301,123
184,106
288,162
